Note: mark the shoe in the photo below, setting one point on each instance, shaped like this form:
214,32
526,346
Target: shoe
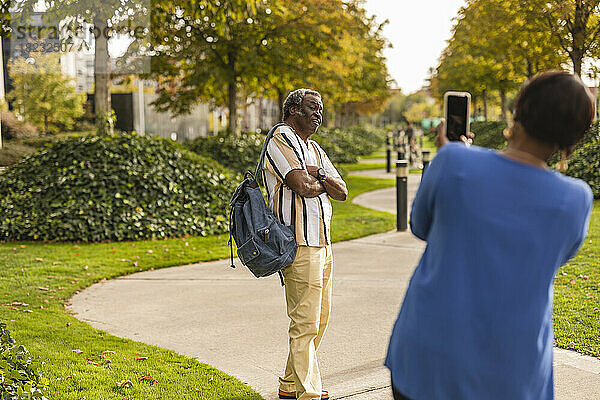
292,395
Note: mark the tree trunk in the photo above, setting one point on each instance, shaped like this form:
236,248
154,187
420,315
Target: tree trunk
484,96
46,124
261,122
474,111
280,101
529,69
101,77
502,105
577,58
232,105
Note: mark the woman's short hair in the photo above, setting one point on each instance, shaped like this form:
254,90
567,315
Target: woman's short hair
555,107
295,98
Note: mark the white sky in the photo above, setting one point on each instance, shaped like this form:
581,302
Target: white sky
418,30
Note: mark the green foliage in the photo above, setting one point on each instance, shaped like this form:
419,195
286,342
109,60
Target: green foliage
239,153
345,145
489,134
114,187
584,163
19,379
216,51
12,128
43,95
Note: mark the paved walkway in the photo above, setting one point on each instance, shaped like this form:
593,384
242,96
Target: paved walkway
227,318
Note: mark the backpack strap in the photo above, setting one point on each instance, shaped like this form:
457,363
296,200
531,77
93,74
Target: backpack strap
264,151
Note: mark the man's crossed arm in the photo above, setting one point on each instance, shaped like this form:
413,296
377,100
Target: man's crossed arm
305,183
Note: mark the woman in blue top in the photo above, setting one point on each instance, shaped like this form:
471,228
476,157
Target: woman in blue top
476,321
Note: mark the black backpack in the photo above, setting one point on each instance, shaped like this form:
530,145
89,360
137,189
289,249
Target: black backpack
265,245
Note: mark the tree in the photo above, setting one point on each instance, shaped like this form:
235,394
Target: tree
78,16
42,95
266,48
496,44
575,24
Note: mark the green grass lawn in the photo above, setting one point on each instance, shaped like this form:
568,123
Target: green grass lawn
577,296
37,279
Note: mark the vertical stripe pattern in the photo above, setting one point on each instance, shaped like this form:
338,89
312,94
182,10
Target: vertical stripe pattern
311,217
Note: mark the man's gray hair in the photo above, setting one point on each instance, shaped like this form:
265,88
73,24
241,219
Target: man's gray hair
295,98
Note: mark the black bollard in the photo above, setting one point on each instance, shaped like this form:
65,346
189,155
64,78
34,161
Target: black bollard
401,195
426,159
388,153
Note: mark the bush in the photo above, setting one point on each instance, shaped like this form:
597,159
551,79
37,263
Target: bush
12,128
584,163
116,187
18,377
489,134
239,153
345,145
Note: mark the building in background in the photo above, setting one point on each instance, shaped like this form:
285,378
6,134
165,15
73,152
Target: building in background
80,66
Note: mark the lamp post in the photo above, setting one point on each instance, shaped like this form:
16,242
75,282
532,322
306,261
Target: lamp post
388,153
426,159
401,195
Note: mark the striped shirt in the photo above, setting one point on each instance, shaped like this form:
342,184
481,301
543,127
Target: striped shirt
311,217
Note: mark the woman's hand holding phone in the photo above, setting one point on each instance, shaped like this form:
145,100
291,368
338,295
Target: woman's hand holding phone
442,138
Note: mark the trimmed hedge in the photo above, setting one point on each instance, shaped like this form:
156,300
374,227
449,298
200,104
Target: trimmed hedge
111,188
584,163
19,379
240,153
345,145
489,134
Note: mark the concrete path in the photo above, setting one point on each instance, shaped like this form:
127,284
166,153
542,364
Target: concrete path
227,318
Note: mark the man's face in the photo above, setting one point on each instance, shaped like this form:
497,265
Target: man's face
311,113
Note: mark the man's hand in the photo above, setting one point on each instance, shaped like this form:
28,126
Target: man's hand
442,139
312,170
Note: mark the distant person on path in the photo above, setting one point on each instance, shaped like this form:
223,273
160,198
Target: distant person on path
476,321
300,178
410,139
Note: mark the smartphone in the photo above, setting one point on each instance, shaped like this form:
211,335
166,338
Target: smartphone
457,110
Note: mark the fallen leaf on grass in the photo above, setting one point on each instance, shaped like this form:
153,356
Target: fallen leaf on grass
27,311
125,384
56,263
45,289
77,351
141,358
150,252
39,259
109,352
149,379
124,260
94,363
18,303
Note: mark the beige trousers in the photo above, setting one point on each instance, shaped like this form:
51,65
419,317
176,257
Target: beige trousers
308,297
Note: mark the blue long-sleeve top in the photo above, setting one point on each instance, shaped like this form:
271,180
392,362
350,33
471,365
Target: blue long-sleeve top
476,320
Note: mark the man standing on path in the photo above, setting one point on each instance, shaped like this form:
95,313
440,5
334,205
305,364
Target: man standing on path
300,178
